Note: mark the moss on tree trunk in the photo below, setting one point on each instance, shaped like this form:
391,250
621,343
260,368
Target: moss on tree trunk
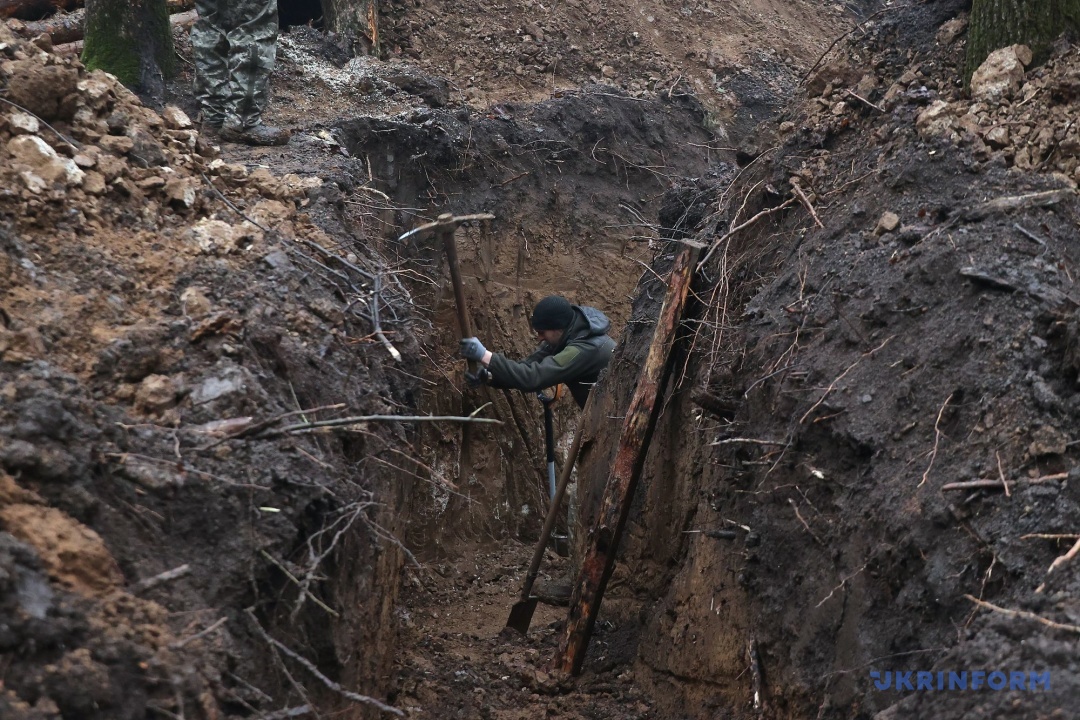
355,19
132,40
999,23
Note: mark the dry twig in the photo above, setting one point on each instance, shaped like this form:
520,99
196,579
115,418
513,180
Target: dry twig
1023,614
937,439
806,203
310,667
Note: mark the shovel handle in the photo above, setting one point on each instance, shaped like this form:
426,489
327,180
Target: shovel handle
553,511
450,247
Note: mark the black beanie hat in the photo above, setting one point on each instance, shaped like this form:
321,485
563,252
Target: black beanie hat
552,313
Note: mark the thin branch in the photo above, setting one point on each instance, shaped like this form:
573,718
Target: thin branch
806,203
299,584
746,224
864,100
310,667
358,419
1023,614
144,585
937,439
202,633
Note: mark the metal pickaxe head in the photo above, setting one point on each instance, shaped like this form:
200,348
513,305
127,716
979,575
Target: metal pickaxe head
445,222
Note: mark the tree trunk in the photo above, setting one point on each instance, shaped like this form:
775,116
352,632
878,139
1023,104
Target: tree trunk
131,39
999,23
357,20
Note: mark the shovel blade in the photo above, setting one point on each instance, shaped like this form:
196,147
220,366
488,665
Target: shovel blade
521,615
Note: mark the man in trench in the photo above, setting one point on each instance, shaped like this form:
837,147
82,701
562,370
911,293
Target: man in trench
574,349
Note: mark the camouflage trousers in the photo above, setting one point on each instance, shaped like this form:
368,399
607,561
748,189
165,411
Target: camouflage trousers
234,43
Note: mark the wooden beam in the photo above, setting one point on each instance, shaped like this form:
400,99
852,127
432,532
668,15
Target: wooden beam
603,540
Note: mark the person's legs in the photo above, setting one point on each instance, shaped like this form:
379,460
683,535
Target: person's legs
210,48
254,49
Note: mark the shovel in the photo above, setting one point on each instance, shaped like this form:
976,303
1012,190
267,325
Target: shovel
522,612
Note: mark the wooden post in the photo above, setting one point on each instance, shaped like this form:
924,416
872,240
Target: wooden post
603,541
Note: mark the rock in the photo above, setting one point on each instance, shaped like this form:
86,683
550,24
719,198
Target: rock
217,236
47,91
1000,74
951,30
1047,440
839,108
154,182
888,222
194,302
181,193
155,394
534,30
997,137
146,151
43,162
607,71
21,346
116,144
278,260
212,388
434,91
937,121
175,118
94,183
22,123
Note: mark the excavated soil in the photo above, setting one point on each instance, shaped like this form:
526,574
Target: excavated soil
888,306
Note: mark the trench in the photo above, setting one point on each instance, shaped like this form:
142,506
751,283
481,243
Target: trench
587,191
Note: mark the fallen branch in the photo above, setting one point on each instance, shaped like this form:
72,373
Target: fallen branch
202,633
988,484
861,99
168,575
1048,536
806,203
748,223
755,673
373,303
1023,614
1001,474
358,419
1018,202
310,667
804,523
937,439
253,428
298,711
1064,558
303,588
63,28
748,441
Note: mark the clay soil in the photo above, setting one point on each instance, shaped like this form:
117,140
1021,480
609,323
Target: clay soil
888,307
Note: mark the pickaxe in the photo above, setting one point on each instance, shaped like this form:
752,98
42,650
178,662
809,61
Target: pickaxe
444,226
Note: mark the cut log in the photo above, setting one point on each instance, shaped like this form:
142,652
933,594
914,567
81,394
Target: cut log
34,9
69,28
39,9
640,419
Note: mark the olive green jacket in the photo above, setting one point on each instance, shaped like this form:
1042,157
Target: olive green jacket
584,351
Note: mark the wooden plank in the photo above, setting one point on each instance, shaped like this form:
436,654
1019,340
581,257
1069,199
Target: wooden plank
603,540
